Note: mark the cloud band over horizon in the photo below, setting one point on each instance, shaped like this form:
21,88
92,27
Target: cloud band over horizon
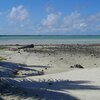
18,20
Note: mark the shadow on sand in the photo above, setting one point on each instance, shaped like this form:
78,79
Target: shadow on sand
37,90
9,69
46,90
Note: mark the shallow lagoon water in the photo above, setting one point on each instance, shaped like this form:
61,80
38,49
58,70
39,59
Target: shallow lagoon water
50,39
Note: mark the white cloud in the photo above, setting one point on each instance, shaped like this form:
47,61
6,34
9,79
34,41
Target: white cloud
74,21
51,19
72,17
94,18
18,13
70,23
54,23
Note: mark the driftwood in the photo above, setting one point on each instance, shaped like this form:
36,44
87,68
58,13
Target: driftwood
27,46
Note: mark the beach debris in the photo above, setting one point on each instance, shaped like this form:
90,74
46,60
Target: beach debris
46,68
92,55
61,58
77,66
19,52
27,46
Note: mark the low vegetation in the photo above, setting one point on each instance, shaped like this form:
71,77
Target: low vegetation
2,58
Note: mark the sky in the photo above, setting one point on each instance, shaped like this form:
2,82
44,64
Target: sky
49,17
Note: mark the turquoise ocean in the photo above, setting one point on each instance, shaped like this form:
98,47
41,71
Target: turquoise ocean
49,39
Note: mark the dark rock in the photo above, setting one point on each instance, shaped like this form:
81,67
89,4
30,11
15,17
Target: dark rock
61,58
71,66
77,66
18,51
46,68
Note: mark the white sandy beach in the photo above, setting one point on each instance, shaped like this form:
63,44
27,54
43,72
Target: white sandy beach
45,73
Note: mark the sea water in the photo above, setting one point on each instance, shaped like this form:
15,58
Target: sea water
49,39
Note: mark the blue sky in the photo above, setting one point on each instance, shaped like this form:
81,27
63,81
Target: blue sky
37,17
